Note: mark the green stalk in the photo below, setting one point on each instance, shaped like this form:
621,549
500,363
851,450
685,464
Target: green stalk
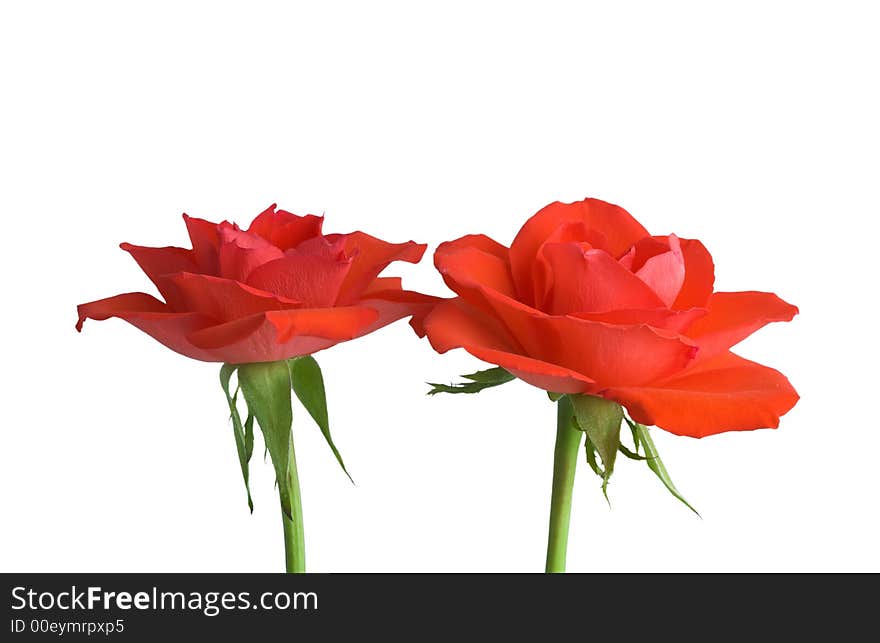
294,536
565,456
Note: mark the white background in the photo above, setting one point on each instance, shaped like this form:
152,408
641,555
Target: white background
753,128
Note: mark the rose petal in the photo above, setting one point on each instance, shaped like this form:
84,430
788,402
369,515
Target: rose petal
616,355
150,316
733,316
224,300
277,335
610,355
380,284
370,257
455,324
390,291
205,239
111,306
664,272
574,233
616,228
284,229
699,276
241,252
591,281
643,250
341,323
329,247
396,304
312,279
543,375
474,259
479,242
265,222
725,393
159,263
676,321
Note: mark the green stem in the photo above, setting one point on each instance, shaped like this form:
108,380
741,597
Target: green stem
294,536
565,456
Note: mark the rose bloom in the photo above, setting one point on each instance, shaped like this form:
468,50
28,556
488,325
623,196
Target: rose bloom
277,290
586,301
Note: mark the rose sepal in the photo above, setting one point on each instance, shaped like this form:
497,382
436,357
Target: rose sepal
266,388
600,420
478,381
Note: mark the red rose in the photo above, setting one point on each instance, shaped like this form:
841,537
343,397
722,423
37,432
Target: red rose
586,301
277,290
